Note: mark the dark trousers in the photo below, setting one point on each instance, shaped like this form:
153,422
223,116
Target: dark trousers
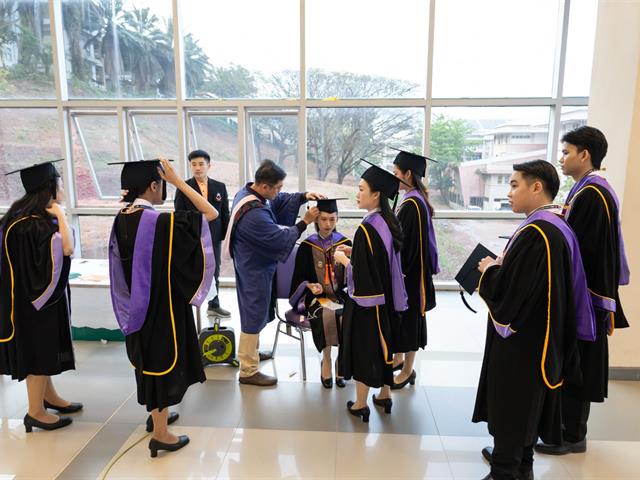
507,460
575,415
217,247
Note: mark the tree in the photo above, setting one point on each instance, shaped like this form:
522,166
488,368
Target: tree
233,81
449,144
338,137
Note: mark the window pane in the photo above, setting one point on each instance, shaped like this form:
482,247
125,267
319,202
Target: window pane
27,136
338,137
94,236
275,137
494,48
476,149
581,38
375,48
220,63
95,142
26,61
154,136
218,136
119,48
457,238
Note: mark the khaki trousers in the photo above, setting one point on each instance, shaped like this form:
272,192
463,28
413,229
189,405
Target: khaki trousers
248,353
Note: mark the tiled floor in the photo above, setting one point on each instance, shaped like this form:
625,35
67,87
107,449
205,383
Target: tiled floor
297,429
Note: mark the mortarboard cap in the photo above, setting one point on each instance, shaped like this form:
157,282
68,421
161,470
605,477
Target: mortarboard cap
138,174
469,275
384,181
411,161
35,176
328,205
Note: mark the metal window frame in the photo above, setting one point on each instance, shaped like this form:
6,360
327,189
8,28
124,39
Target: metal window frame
185,109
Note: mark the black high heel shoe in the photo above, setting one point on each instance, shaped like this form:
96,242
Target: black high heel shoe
387,403
71,408
173,416
30,422
360,412
155,445
410,379
340,382
326,382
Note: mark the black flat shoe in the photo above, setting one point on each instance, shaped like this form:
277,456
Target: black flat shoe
173,416
387,403
264,356
30,422
398,367
360,412
71,408
155,445
340,382
410,379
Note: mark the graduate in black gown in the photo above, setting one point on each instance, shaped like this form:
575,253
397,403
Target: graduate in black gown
537,300
593,212
376,293
160,264
35,329
419,264
318,278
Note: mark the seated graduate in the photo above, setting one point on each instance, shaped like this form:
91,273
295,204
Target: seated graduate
35,330
538,305
318,278
376,293
160,264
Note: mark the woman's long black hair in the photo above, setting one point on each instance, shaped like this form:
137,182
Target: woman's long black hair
390,219
33,203
416,182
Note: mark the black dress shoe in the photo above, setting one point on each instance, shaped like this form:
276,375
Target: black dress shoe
398,367
173,416
564,449
326,382
30,422
387,403
340,382
410,379
360,412
265,356
486,453
155,445
525,474
71,408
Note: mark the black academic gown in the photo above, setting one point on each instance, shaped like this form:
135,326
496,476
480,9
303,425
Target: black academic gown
165,351
597,234
518,392
34,341
310,267
366,352
412,332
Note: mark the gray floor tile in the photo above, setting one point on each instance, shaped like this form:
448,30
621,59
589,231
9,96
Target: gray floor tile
452,409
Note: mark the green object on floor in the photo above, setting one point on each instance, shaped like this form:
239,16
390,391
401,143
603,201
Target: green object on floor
96,334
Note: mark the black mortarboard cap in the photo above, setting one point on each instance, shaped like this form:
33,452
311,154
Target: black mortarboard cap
138,174
328,205
384,181
411,161
469,275
35,176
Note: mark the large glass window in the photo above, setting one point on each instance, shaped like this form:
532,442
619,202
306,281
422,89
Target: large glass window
581,38
26,60
242,48
371,49
338,137
27,136
95,143
476,148
119,48
217,134
494,48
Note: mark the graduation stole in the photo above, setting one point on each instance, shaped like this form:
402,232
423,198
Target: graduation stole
245,204
326,246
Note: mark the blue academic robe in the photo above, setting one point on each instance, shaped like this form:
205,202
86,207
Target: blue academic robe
263,236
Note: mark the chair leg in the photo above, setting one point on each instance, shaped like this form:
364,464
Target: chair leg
275,340
302,356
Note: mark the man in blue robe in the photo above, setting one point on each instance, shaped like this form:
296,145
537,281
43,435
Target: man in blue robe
262,232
